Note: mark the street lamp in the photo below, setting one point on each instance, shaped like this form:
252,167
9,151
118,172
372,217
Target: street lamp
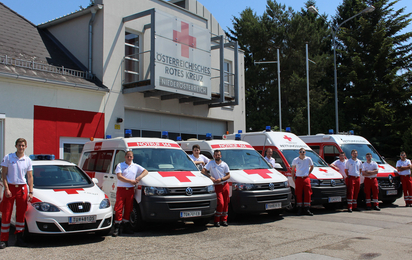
313,10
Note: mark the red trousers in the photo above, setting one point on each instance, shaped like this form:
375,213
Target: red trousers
222,194
18,194
124,199
303,191
353,191
407,188
368,185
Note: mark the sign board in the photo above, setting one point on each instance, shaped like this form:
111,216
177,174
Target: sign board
182,57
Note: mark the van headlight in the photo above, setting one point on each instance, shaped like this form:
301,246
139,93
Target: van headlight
314,182
243,186
152,191
104,204
45,207
211,188
286,184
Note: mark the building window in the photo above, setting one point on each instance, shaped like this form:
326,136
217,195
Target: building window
228,78
131,58
71,148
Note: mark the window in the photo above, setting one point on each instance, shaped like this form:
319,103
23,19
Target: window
131,57
71,148
98,161
330,153
120,157
228,78
315,148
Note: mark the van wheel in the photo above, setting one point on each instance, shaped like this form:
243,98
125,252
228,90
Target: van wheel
136,220
292,205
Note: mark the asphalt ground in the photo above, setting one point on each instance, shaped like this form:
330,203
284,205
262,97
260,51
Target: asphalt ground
329,234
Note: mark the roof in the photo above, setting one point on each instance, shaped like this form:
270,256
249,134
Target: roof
31,53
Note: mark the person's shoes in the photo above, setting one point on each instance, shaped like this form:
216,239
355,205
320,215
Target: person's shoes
350,210
116,231
217,224
357,209
4,244
307,212
20,241
127,228
224,223
376,208
368,208
299,211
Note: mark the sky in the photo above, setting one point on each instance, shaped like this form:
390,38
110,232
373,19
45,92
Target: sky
40,11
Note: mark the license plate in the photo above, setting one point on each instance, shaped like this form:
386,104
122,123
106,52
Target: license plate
189,214
334,199
276,205
83,219
391,192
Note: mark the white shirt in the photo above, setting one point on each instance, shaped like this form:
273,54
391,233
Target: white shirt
16,168
370,167
353,167
341,165
401,163
131,172
201,158
218,171
271,161
302,166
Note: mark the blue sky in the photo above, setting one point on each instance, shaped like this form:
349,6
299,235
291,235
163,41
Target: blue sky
40,11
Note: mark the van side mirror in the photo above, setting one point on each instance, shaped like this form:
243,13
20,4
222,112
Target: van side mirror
278,166
96,181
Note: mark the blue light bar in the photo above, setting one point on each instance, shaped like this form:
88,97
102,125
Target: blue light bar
351,132
331,131
287,129
165,134
39,157
208,136
108,137
179,138
268,128
127,133
237,137
239,131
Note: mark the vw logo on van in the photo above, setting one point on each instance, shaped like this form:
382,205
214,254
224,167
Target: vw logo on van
332,183
271,186
189,191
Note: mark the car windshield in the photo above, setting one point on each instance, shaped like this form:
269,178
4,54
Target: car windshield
161,159
292,154
58,176
362,149
238,159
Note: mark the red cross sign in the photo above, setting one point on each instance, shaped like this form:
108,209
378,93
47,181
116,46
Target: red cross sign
287,138
69,191
184,39
181,176
381,167
323,170
262,172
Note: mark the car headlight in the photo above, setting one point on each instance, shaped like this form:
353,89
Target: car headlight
151,191
286,184
314,182
104,204
243,186
45,207
211,188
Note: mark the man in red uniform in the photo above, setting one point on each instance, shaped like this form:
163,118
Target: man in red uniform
128,175
404,168
15,166
219,174
353,169
303,166
370,171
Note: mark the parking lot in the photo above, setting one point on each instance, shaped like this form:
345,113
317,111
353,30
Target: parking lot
326,235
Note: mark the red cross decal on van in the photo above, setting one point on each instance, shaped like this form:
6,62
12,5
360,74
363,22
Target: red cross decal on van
181,176
323,170
287,138
381,167
184,39
69,191
262,172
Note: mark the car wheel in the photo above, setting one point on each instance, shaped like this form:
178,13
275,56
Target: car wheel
136,220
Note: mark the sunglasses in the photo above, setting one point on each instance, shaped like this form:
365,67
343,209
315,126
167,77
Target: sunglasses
302,152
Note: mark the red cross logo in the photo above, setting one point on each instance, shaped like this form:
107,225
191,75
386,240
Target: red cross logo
69,191
287,138
323,170
381,167
113,186
184,39
181,176
262,172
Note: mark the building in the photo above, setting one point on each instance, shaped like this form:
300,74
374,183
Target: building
149,67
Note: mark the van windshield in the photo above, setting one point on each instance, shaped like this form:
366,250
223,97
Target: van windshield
59,176
362,149
292,154
238,159
162,159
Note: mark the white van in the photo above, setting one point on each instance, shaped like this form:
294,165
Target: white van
329,146
254,186
174,189
328,186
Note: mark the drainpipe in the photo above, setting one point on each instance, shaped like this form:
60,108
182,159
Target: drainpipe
93,10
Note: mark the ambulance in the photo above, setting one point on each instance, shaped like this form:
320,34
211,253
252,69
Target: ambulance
327,184
254,186
328,146
174,189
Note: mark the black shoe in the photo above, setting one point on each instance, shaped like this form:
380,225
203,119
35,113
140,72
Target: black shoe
299,211
350,210
217,224
127,228
307,212
19,240
368,208
4,244
224,223
377,208
116,231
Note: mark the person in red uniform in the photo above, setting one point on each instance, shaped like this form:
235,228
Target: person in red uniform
303,166
353,170
370,171
219,174
128,175
404,168
15,167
